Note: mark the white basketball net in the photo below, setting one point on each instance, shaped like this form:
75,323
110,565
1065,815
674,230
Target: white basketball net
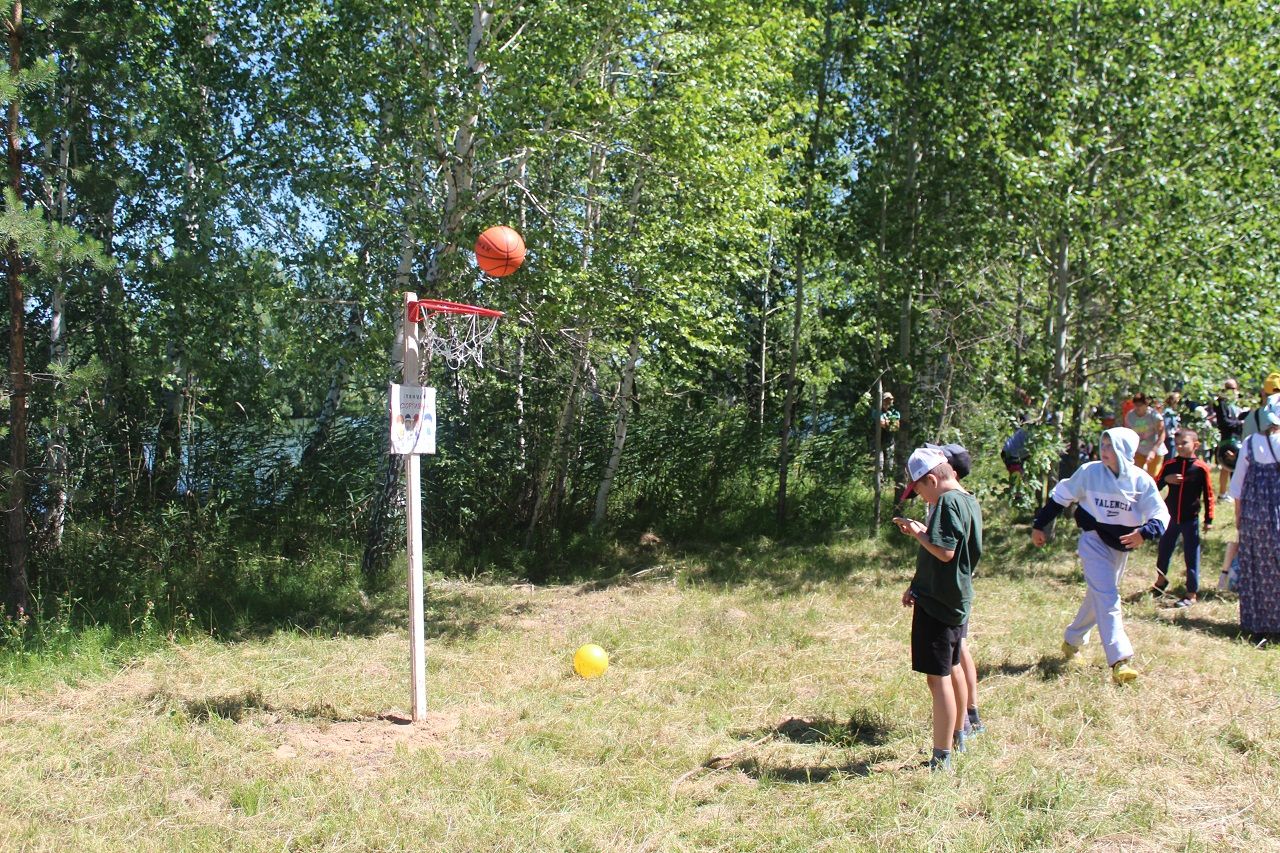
457,338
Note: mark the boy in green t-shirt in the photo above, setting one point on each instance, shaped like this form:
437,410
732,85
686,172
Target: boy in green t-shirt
941,592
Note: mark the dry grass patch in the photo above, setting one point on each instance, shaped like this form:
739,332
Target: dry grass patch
758,699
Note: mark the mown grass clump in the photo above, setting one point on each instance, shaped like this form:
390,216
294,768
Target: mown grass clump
759,698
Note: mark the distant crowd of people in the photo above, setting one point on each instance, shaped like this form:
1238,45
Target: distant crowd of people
1171,448
1118,506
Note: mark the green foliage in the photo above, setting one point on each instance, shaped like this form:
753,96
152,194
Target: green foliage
50,244
224,202
1026,491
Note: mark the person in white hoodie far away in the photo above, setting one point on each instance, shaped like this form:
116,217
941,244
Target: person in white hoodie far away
1118,508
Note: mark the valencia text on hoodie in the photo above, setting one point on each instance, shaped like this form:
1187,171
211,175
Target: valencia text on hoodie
1111,504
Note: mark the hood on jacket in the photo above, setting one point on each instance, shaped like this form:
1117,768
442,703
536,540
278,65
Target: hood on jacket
1124,442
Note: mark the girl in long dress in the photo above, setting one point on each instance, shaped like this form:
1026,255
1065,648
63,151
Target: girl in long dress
1255,485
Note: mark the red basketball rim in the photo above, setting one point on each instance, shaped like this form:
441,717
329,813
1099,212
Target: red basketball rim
444,306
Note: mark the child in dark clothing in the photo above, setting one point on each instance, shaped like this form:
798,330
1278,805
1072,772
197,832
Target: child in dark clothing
941,592
1190,483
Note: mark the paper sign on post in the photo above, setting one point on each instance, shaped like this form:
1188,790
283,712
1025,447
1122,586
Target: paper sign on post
413,419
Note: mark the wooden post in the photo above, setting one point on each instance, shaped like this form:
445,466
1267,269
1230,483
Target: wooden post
413,527
876,403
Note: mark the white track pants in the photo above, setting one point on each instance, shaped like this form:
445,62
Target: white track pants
1103,568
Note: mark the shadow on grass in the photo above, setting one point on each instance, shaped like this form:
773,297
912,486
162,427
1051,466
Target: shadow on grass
1047,668
986,670
450,615
1192,621
235,707
790,568
648,574
801,774
863,728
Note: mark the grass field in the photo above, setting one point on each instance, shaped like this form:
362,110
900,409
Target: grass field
759,698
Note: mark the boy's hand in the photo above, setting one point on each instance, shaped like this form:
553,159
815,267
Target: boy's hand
1132,539
1174,479
910,526
908,599
1038,537
1208,525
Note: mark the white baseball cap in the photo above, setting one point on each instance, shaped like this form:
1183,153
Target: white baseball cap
921,462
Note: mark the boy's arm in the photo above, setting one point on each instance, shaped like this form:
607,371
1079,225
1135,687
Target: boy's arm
938,551
926,534
1208,494
1155,513
1063,495
1153,529
1165,471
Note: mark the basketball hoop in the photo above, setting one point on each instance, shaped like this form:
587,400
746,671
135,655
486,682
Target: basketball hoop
455,331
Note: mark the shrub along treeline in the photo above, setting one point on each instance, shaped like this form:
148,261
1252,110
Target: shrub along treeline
741,216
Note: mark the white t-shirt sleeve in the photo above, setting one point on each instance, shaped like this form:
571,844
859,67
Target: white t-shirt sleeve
1236,486
1254,445
1071,490
1151,505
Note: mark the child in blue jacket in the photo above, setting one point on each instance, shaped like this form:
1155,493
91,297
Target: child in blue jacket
1118,508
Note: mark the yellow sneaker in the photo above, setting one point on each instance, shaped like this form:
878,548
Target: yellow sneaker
1123,673
1071,654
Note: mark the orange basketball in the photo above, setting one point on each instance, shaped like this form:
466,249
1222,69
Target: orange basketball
500,251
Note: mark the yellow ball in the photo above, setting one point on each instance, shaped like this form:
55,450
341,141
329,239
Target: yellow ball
590,661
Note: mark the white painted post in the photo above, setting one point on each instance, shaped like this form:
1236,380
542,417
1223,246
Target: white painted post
413,525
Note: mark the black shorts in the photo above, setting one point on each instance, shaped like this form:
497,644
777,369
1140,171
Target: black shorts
935,646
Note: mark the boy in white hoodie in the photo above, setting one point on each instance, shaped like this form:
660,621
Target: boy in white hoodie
1118,508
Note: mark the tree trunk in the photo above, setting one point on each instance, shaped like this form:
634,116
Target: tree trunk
1019,342
625,400
518,366
765,311
552,476
801,248
945,414
457,199
1061,302
341,372
913,280
550,471
57,454
188,258
19,594
337,382
878,448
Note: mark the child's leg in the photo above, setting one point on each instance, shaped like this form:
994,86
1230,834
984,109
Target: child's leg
1103,568
970,676
961,693
1154,464
1191,549
1224,578
944,710
972,722
1164,555
1077,633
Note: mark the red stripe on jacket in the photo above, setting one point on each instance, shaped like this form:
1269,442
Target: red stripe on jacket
1183,499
